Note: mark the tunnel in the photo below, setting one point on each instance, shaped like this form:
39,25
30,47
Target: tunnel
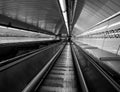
59,46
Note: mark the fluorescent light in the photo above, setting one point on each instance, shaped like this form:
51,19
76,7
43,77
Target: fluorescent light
63,5
64,12
92,31
114,24
13,28
3,27
65,16
67,27
101,28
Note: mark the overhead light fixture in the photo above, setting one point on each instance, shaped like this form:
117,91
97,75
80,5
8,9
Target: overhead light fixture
3,27
64,12
63,5
92,31
114,24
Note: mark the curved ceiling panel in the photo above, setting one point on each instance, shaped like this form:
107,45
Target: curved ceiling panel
44,14
95,11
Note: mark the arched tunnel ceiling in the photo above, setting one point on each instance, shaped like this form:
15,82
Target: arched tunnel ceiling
95,11
44,14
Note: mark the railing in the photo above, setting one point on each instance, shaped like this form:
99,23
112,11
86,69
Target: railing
79,72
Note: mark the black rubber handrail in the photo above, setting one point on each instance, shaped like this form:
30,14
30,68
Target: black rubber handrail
7,64
79,71
38,79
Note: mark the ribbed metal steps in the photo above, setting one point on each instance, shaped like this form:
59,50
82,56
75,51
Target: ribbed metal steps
62,76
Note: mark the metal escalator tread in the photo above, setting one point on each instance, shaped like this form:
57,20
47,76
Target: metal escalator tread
62,77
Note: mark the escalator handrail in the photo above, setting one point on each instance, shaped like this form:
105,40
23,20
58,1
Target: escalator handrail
79,72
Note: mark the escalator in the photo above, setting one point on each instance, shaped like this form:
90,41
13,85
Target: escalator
62,77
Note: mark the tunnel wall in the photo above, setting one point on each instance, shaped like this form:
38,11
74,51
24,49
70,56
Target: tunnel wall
105,36
10,22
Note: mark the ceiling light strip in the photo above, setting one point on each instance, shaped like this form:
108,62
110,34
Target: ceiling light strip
64,12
